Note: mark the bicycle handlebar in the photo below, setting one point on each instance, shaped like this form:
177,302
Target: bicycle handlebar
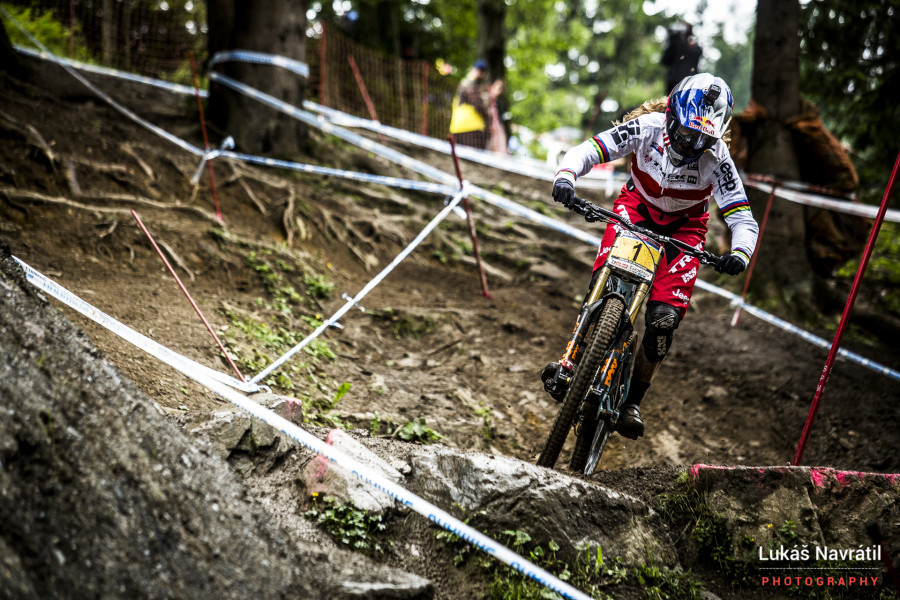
591,212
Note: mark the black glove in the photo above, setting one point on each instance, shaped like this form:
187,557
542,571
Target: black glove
564,192
730,265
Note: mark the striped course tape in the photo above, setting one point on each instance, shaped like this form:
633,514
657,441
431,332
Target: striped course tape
149,346
819,201
220,383
736,301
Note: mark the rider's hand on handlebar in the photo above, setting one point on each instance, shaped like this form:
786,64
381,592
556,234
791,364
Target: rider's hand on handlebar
564,192
731,264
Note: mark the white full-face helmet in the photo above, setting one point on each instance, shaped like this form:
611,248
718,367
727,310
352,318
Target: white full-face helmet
697,115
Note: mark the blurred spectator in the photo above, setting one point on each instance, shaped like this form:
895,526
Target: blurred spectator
681,55
468,121
499,133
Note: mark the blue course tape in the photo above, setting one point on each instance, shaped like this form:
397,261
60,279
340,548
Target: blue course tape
736,301
407,184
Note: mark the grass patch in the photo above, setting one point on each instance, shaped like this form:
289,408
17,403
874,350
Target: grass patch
361,530
417,431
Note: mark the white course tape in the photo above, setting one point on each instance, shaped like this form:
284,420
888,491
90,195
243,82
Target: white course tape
128,334
368,287
218,383
819,201
407,184
295,66
528,167
125,111
81,66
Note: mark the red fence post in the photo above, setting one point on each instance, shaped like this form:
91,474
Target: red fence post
365,92
186,293
854,290
762,228
212,176
470,221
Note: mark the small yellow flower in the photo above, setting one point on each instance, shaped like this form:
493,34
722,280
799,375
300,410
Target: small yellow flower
770,525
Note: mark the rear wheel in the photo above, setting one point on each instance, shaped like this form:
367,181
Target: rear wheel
596,342
606,326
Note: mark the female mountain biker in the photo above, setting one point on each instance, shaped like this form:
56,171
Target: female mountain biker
679,160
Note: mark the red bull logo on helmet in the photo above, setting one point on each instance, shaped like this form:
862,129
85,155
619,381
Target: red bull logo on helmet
703,124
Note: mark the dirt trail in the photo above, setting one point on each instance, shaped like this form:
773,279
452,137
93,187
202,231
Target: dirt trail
428,346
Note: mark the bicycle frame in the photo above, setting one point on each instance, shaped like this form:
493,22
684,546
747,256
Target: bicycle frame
627,275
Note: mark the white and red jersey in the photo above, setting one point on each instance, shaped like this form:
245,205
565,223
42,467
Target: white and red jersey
671,189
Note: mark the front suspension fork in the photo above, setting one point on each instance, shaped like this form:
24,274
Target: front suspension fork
570,357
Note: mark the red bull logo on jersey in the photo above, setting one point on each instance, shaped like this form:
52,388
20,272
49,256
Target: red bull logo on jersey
704,124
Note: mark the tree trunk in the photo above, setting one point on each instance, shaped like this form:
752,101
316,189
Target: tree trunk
274,27
782,268
492,36
108,32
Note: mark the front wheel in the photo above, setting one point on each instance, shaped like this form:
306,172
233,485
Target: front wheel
593,428
597,341
597,442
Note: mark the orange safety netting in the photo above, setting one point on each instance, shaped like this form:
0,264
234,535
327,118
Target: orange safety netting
408,94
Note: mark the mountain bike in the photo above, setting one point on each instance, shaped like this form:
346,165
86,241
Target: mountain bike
595,370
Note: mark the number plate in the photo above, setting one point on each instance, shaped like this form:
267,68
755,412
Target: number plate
634,255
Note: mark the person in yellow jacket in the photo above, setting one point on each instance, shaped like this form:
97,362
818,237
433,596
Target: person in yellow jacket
470,116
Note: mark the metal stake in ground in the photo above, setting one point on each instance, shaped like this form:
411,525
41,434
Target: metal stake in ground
186,293
212,177
854,290
762,229
365,93
470,221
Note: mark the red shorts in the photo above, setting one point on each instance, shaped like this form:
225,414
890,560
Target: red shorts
676,275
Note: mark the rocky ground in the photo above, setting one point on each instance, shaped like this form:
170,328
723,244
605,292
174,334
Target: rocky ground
428,350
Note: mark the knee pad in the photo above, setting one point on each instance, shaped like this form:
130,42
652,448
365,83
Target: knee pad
662,320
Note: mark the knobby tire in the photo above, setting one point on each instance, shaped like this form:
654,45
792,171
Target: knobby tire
596,342
601,344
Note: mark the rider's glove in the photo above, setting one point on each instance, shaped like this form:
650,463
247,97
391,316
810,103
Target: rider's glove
564,192
731,264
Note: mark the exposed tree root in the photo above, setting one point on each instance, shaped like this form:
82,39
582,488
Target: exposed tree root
176,259
32,196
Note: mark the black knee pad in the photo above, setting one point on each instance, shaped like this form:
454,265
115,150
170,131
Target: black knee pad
662,320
